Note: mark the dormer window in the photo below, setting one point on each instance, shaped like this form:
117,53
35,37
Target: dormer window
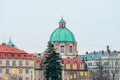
19,56
67,65
74,65
13,55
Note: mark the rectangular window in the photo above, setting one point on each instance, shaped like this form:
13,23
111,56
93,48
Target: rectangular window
97,63
117,71
0,70
27,63
62,49
106,63
26,71
20,71
7,63
20,63
20,78
71,49
7,71
0,62
116,62
90,64
27,78
13,63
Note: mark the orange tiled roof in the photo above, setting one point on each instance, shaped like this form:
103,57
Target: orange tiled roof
10,49
16,53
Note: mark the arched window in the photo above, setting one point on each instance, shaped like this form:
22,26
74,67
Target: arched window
62,49
71,49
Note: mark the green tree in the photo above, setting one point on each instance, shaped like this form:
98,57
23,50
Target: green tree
52,63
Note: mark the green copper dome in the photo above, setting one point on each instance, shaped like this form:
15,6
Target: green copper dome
62,35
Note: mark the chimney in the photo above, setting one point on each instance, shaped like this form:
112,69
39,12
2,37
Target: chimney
115,51
86,52
102,51
108,50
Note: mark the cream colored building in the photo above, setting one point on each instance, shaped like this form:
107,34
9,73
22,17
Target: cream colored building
16,64
20,69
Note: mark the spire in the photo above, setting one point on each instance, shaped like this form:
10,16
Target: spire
62,23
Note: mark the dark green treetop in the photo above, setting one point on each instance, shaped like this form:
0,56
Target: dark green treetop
53,67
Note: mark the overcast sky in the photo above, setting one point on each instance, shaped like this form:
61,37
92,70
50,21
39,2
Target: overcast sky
95,23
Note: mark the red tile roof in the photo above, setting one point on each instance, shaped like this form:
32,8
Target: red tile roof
16,53
10,49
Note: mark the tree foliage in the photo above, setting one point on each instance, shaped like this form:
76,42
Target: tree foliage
53,67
